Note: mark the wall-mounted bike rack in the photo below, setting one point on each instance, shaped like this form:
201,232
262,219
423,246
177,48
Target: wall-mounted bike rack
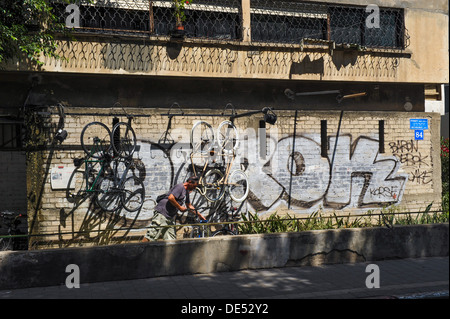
181,112
269,116
339,95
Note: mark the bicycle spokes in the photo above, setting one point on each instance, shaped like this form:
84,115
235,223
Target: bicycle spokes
213,185
202,137
96,139
105,174
133,194
124,139
227,137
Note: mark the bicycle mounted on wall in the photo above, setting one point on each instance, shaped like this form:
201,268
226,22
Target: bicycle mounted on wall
215,181
105,170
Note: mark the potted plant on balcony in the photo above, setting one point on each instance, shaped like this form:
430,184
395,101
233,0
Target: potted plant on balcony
180,17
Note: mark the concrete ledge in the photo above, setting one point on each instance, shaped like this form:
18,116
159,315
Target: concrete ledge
21,269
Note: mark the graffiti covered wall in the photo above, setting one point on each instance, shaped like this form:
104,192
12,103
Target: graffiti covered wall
283,169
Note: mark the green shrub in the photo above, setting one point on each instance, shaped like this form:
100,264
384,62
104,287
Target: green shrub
388,216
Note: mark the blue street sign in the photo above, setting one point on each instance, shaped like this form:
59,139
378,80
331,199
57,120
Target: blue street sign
418,124
418,134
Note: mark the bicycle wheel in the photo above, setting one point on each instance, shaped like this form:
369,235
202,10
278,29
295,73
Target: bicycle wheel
223,232
133,194
76,187
195,232
213,186
202,137
227,137
197,197
109,197
124,139
96,139
200,231
238,185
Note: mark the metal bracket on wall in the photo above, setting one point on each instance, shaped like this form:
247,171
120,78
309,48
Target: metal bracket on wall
339,98
166,138
233,112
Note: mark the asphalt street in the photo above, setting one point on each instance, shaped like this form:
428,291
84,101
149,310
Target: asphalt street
420,278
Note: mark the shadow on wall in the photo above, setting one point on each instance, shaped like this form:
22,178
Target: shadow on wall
295,170
368,180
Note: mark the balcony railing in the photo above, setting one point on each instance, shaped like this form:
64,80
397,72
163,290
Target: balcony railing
204,19
270,21
290,22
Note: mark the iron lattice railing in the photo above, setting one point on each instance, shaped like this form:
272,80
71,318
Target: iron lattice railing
211,19
290,22
285,22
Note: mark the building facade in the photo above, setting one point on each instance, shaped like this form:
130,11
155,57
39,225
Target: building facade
350,83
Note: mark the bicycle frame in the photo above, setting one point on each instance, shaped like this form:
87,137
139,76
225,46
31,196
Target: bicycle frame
228,167
201,189
103,162
201,230
108,182
219,177
204,167
223,180
91,188
87,162
119,181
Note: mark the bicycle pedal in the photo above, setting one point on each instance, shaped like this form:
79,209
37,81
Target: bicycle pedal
78,161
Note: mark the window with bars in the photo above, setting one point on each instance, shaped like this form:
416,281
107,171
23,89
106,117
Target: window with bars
211,19
290,22
272,21
287,22
348,26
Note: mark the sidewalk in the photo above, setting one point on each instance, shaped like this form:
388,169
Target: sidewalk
402,279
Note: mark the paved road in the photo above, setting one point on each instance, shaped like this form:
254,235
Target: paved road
399,279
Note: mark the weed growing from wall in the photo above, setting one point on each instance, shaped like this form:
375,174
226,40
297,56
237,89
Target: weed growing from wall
388,216
445,173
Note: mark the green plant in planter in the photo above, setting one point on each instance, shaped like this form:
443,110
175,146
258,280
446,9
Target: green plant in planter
180,17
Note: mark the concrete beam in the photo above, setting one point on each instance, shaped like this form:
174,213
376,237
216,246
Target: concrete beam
20,269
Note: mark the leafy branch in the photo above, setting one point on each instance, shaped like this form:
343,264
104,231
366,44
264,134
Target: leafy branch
27,30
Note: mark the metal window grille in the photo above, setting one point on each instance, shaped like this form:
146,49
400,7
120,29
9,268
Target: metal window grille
290,22
287,22
272,21
348,26
204,19
214,19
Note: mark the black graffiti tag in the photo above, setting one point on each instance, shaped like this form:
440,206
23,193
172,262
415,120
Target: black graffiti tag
421,177
412,159
403,146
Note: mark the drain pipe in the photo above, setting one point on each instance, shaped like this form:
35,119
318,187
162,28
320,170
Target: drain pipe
292,159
